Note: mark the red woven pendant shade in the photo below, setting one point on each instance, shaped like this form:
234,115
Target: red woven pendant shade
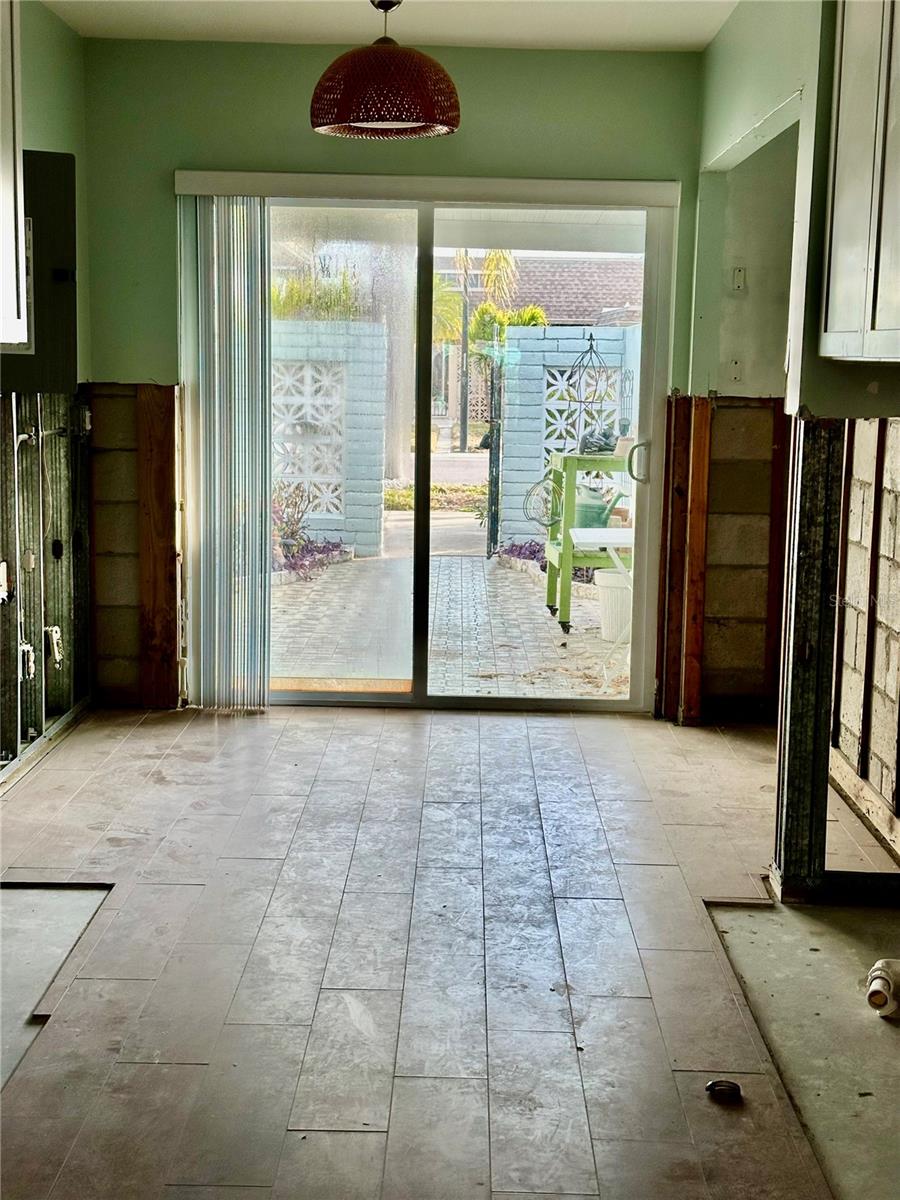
385,91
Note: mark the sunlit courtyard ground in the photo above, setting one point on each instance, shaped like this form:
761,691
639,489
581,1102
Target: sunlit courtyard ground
490,632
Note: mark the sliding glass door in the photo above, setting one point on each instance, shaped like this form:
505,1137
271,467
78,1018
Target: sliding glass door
538,438
343,315
463,400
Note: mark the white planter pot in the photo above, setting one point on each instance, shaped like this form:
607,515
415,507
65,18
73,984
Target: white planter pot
614,601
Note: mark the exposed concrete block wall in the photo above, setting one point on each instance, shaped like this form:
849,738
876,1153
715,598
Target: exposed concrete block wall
874,612
528,416
114,542
737,576
329,430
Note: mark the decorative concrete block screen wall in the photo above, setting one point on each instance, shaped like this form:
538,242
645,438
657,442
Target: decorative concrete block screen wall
538,370
329,393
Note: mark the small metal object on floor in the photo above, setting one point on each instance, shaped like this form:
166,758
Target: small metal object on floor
724,1091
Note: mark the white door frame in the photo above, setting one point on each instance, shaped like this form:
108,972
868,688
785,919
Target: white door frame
660,200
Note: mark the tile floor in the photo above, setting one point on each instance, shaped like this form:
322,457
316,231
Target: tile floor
368,955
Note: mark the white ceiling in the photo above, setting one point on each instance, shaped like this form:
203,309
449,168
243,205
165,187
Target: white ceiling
537,24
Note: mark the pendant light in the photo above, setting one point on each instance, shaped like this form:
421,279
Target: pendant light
385,91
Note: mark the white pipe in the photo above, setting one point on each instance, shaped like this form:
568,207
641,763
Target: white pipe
883,985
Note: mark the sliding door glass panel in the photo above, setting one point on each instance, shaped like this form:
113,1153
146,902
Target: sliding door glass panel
535,412
343,418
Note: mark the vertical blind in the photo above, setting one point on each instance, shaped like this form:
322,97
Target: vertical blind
225,365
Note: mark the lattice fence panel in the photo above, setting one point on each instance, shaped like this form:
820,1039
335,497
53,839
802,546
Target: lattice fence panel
308,406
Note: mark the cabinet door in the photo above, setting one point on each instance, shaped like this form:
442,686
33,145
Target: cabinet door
13,313
883,336
857,74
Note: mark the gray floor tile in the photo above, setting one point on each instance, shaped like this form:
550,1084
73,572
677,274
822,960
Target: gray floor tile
108,1162
709,863
540,1140
451,835
661,910
635,833
443,1023
265,827
762,1115
600,955
447,914
331,1166
330,820
234,901
189,1192
59,1078
311,884
635,1170
579,858
64,842
437,1147
236,1129
190,850
700,1020
628,1084
526,981
187,1007
384,859
349,1064
370,940
281,980
140,939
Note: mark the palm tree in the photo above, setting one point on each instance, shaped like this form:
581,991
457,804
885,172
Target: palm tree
446,310
499,278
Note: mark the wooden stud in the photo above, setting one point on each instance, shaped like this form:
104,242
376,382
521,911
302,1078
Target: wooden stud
814,519
662,593
80,460
677,536
690,701
157,548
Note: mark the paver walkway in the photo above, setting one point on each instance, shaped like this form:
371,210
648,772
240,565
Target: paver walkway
490,632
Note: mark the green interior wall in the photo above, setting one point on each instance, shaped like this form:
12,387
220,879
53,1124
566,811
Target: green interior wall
53,118
153,107
764,54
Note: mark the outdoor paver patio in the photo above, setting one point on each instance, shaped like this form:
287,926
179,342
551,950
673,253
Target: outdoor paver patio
490,632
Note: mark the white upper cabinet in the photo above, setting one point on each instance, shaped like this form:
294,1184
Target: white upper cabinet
13,309
861,310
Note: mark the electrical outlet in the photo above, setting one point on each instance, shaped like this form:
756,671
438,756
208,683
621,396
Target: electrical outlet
734,370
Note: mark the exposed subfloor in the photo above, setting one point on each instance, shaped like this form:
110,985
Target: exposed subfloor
369,955
804,971
38,928
490,631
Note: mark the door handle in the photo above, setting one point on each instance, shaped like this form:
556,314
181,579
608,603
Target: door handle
629,462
